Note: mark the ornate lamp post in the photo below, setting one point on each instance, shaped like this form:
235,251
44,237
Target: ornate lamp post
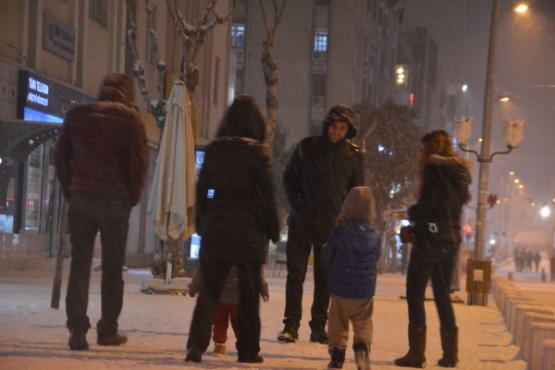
479,269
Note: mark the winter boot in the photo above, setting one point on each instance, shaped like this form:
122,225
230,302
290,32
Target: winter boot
194,354
362,350
337,358
417,347
449,344
219,349
107,334
78,340
318,332
289,334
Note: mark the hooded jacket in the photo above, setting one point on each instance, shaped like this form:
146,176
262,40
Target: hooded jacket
353,248
236,205
102,147
443,193
319,175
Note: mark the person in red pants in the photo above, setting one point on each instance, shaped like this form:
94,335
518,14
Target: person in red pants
226,310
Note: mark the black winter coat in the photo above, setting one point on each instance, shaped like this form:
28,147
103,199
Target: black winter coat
236,206
318,177
443,193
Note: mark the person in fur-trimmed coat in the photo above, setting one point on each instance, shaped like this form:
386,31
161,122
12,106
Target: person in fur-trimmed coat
442,192
351,254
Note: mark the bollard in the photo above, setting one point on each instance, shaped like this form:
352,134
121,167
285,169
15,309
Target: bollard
510,276
548,354
532,348
543,275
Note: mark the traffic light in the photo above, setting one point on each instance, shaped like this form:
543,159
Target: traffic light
492,200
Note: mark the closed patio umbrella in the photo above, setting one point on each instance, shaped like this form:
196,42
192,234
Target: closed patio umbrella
171,201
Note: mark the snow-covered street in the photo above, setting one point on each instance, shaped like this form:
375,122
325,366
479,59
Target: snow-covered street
33,335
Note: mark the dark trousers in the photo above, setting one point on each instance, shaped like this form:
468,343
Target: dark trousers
225,313
88,214
435,261
248,320
300,242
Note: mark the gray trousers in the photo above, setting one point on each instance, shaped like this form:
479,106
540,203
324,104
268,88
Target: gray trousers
358,312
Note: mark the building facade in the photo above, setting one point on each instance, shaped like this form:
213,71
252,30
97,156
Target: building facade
53,55
328,52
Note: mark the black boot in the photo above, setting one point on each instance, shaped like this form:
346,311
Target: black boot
78,340
107,334
337,358
417,347
362,350
194,354
449,344
318,332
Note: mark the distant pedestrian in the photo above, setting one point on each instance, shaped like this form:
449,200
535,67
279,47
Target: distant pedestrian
442,190
228,305
351,254
537,258
101,161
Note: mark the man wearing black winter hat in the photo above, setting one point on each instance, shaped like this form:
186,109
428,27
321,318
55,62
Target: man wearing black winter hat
319,174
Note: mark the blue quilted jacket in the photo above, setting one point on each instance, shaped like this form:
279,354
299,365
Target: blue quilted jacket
351,254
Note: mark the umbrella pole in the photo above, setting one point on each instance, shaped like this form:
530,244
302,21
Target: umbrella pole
169,261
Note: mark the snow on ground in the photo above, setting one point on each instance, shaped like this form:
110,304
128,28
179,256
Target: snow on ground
33,335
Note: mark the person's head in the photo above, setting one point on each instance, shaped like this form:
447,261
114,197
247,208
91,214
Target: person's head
339,124
359,205
118,88
437,142
243,119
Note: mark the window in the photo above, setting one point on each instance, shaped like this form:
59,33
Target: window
237,35
98,11
321,41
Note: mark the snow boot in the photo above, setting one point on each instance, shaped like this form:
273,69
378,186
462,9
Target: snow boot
219,349
318,333
337,358
194,354
107,334
449,344
362,350
417,347
289,334
78,340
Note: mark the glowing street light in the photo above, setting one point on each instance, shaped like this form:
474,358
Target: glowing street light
479,291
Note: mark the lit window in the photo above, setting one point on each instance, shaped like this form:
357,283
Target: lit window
321,41
237,35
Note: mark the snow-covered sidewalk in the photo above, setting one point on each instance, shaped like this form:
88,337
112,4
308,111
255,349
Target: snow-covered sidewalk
33,336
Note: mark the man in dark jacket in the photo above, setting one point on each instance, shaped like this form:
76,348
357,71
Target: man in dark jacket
319,174
101,162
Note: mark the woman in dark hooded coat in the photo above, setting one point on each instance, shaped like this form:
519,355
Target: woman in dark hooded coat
236,215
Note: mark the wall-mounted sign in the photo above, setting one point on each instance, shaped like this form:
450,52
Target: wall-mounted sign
58,38
42,100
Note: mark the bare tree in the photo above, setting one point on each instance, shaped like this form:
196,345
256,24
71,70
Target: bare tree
194,35
270,68
155,106
193,38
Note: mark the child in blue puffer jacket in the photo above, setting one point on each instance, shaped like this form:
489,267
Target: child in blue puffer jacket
351,255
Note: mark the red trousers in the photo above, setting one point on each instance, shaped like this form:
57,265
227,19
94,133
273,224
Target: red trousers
225,313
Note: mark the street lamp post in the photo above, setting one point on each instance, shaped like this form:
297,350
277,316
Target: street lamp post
479,269
478,298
